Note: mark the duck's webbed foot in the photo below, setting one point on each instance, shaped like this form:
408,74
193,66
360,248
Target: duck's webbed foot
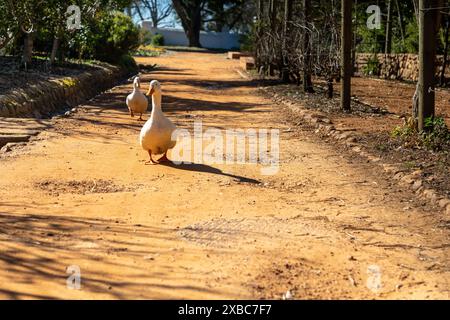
151,161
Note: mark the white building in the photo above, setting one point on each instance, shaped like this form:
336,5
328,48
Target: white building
210,40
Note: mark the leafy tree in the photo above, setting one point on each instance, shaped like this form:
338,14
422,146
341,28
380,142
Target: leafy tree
37,24
231,15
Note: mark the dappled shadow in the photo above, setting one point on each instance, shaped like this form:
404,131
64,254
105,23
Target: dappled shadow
175,104
37,248
225,84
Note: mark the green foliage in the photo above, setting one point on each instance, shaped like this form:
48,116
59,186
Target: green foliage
107,38
247,42
412,37
404,33
106,33
149,51
370,41
158,40
436,135
404,131
128,63
145,37
373,67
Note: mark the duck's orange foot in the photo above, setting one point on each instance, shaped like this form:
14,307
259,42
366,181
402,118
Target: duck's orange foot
151,161
163,158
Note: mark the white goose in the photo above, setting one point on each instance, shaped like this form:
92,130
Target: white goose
156,134
136,101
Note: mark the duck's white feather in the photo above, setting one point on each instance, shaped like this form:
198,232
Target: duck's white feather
156,134
137,101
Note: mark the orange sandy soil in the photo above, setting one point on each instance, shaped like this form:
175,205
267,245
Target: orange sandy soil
80,194
393,96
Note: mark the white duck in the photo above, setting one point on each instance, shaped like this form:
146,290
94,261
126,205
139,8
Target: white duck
156,134
136,101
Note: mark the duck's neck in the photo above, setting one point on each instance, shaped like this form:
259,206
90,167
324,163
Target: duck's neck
156,101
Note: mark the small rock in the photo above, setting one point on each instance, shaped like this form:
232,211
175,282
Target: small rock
417,173
288,295
344,136
388,168
5,148
430,195
408,179
443,203
352,281
374,159
398,176
416,185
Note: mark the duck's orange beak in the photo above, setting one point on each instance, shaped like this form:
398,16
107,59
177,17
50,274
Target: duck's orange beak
150,92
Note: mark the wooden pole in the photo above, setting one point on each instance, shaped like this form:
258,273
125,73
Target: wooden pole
388,44
427,55
346,54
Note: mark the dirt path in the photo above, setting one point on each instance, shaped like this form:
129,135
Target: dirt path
323,227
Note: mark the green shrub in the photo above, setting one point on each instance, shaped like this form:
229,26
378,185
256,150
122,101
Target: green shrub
247,42
107,38
436,134
158,40
412,37
145,37
373,67
128,63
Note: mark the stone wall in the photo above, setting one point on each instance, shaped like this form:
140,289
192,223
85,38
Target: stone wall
397,66
43,98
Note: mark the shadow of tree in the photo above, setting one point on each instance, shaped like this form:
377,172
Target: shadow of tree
38,248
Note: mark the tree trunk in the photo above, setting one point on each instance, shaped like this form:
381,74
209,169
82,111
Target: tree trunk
287,21
257,47
388,44
193,34
346,54
28,49
189,13
307,83
54,49
400,23
272,16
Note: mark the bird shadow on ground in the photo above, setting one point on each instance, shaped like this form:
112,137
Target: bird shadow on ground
195,167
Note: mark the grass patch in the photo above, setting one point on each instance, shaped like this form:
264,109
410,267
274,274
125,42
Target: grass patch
435,137
149,51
